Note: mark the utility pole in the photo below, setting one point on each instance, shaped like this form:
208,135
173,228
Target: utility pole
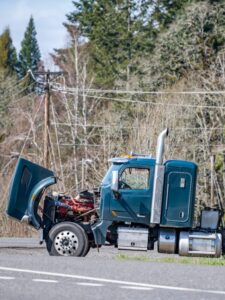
46,120
46,80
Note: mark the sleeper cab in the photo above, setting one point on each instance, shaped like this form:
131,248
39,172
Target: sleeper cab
179,194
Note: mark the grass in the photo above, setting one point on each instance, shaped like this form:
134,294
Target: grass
132,257
210,261
184,260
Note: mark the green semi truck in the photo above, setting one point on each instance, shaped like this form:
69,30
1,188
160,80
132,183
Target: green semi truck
142,202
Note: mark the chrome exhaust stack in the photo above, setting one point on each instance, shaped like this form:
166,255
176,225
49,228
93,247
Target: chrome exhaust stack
158,179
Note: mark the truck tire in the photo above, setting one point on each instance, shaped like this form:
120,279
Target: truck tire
67,239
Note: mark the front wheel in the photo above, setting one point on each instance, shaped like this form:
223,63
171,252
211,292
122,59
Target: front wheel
67,239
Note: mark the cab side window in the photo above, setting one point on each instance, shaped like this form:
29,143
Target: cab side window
135,179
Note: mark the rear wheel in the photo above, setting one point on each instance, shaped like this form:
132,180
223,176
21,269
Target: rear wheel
67,239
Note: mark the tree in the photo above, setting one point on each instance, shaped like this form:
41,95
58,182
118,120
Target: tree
164,12
118,32
8,58
29,56
190,44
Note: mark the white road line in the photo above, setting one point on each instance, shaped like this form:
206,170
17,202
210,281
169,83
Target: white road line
45,280
90,284
7,278
137,288
105,280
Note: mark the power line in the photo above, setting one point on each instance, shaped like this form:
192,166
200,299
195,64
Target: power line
145,102
159,103
137,127
139,92
43,74
16,84
19,92
25,97
102,145
74,145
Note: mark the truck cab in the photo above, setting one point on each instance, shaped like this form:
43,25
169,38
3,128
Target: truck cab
127,194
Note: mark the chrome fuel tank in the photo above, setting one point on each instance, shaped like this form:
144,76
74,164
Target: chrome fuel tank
132,238
167,240
200,244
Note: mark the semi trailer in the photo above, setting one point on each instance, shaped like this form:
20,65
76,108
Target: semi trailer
141,202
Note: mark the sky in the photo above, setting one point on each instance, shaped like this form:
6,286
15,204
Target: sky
48,17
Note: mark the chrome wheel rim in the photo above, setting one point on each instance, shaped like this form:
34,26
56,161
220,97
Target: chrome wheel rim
66,243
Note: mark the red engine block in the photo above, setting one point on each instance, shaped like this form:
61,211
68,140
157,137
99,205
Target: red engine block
78,205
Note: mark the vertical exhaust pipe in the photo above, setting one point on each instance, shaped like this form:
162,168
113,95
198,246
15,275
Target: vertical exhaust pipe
160,146
158,179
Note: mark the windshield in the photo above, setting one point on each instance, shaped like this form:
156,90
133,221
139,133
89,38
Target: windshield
108,177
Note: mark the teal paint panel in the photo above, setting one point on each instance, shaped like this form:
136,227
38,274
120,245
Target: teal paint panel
179,194
130,205
26,176
133,205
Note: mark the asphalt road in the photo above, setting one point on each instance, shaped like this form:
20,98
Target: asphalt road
28,272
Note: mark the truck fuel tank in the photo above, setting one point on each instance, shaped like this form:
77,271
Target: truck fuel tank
167,241
199,243
132,238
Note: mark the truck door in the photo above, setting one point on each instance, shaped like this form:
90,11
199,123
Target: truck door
135,193
179,194
28,183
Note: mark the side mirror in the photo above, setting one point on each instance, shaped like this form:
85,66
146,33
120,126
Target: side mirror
115,182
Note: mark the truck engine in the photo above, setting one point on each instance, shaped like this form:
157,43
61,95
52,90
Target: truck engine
61,207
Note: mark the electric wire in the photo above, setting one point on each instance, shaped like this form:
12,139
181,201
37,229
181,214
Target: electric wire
159,103
17,83
25,97
16,94
101,145
146,102
34,78
138,92
136,127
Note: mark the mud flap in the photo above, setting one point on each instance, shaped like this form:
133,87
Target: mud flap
28,183
99,231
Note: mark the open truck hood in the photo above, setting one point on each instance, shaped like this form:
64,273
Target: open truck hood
28,183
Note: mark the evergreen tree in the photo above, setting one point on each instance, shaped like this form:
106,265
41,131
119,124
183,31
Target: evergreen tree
29,56
165,12
118,32
8,58
190,44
